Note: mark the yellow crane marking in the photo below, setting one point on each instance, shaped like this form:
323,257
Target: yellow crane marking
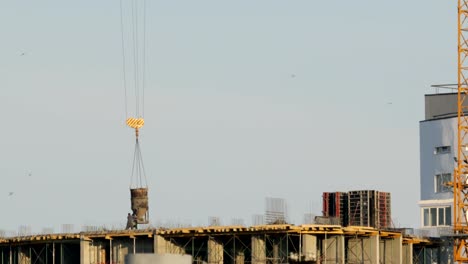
135,122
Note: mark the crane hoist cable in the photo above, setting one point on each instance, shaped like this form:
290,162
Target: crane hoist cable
133,33
133,41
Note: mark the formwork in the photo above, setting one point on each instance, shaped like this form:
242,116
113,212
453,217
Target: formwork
335,204
359,208
362,208
385,210
369,208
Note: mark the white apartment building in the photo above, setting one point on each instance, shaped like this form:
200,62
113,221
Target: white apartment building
438,145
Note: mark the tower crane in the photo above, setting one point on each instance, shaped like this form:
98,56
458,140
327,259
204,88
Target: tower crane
460,180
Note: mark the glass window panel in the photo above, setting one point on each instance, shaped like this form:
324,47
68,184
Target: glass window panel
433,213
440,182
441,216
426,216
447,177
442,150
448,215
437,183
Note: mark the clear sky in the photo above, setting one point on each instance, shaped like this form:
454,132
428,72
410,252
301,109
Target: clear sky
244,100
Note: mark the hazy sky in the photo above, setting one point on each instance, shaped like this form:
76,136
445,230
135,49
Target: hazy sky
244,100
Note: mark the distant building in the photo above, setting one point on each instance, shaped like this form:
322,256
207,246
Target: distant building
438,144
359,208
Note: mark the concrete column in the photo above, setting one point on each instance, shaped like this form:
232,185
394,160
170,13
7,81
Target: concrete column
23,256
364,250
371,248
333,248
309,248
85,257
120,248
258,250
215,251
159,245
240,258
92,252
390,250
407,254
276,254
163,246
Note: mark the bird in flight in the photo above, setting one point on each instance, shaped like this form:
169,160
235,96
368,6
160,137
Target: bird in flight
10,194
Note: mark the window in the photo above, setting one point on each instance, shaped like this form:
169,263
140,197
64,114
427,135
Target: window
433,214
437,216
426,217
441,213
440,182
442,150
448,215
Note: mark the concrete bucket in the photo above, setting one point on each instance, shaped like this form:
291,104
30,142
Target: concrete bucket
139,203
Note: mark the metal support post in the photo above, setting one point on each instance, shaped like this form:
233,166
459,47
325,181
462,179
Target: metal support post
325,251
193,247
234,249
53,252
110,251
362,250
300,245
134,245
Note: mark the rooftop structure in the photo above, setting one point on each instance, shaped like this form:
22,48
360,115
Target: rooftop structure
224,244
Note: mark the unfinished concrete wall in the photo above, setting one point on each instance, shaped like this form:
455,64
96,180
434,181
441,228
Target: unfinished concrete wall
121,248
96,252
332,249
390,250
363,250
407,254
240,258
215,251
165,246
258,250
309,247
24,256
158,259
85,255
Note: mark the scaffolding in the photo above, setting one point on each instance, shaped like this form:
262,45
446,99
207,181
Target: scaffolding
267,244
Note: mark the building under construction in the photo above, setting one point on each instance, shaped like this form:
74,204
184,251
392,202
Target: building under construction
276,243
359,208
